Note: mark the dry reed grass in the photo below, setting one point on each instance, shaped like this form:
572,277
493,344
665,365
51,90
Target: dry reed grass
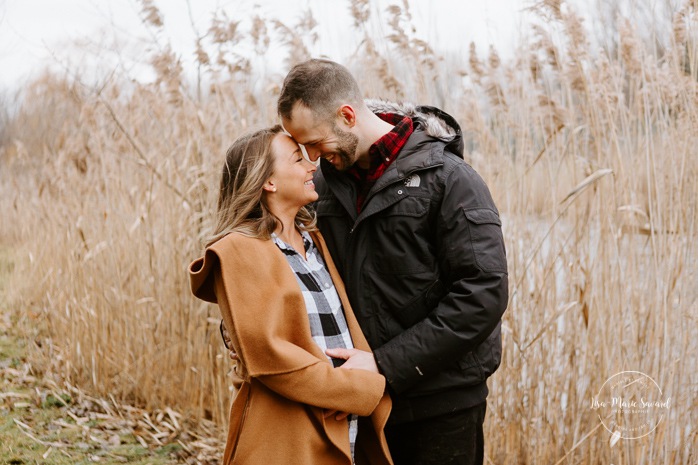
590,154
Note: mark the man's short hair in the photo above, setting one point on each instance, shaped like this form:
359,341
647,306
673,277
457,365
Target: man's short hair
319,85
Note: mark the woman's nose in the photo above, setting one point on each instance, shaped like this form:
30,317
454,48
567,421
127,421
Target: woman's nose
310,165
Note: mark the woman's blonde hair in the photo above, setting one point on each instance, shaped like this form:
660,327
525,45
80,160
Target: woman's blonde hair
242,204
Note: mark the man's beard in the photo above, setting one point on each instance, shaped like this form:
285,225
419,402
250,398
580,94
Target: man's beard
346,147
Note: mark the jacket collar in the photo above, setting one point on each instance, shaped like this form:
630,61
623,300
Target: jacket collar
419,153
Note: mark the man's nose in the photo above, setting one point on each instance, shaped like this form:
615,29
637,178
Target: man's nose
313,153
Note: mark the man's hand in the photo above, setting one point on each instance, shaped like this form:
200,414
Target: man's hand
355,359
228,342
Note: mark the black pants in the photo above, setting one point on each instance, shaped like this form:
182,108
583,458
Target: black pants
451,439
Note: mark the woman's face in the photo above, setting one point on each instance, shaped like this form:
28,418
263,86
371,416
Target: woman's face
293,174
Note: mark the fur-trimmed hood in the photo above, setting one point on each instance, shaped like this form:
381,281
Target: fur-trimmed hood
433,121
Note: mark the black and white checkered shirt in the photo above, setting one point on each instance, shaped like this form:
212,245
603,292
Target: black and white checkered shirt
328,325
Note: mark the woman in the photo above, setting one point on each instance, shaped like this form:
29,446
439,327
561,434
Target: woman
281,297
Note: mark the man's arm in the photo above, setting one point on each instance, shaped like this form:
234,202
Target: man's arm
472,261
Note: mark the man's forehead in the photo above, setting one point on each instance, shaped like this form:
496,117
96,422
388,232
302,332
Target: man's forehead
305,127
303,117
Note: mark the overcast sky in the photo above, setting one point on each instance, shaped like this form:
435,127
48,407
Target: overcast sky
35,34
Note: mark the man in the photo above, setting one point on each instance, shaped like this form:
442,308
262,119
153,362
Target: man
417,239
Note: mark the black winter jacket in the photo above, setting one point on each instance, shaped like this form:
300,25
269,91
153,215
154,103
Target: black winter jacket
424,266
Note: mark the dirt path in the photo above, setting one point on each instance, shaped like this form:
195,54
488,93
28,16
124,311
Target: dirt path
42,422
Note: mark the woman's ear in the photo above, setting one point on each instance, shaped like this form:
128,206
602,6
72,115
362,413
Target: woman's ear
269,186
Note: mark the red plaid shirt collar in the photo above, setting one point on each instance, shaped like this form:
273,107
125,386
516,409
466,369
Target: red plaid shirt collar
381,154
385,150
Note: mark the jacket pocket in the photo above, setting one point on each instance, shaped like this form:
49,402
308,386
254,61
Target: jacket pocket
486,239
401,238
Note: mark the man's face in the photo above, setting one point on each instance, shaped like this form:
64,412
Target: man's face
322,138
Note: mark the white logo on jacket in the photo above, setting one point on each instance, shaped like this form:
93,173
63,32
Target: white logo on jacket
412,181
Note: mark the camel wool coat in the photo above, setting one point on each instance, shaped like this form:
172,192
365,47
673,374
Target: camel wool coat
277,416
